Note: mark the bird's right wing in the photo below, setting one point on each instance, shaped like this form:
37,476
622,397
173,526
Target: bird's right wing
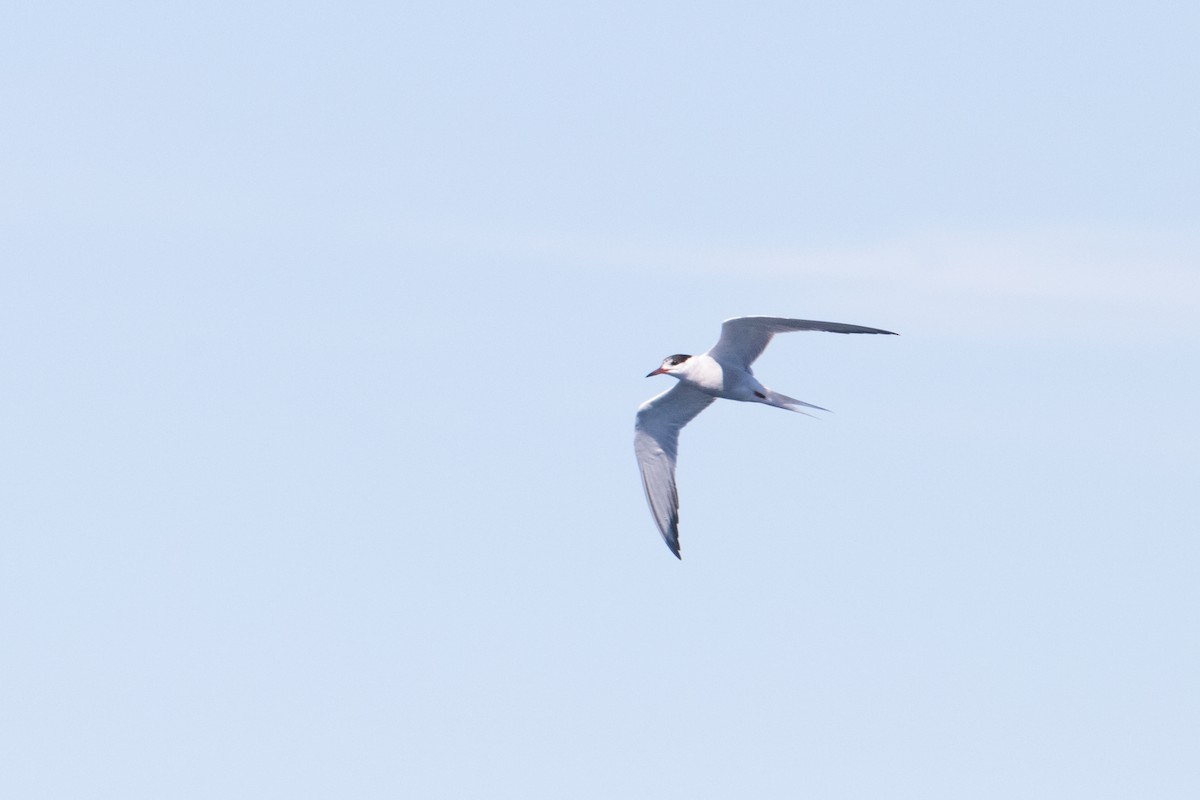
656,441
744,338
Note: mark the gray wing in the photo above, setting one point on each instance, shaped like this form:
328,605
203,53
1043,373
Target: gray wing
656,441
744,338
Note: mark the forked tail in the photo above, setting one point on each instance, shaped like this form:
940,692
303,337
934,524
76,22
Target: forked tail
783,401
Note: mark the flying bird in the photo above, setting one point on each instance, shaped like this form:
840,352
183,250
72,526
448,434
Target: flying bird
724,371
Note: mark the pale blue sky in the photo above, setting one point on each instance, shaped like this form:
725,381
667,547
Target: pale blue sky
325,325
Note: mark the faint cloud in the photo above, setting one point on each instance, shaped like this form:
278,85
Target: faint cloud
960,275
1063,263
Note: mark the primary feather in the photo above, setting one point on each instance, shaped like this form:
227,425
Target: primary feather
656,441
743,339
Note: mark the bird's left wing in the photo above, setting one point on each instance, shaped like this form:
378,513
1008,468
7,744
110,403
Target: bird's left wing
744,338
656,441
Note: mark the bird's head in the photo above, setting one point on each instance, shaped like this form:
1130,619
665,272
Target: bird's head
671,365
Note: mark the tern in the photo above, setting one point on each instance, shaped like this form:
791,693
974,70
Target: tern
724,371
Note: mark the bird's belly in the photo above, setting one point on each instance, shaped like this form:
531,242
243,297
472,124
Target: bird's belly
727,383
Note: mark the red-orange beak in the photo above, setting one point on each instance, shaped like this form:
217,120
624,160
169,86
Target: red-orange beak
659,371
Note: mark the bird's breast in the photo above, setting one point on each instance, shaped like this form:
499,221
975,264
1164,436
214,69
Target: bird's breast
719,380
